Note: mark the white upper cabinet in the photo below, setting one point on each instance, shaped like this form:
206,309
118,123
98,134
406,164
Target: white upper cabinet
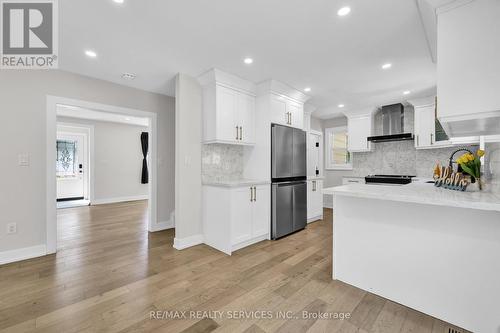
286,105
228,109
359,128
428,131
287,112
468,67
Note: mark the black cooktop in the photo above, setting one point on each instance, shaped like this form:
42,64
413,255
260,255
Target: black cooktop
388,179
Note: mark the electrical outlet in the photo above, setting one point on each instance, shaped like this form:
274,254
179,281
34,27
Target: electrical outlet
11,228
24,160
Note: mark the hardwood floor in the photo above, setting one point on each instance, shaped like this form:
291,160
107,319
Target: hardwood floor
109,275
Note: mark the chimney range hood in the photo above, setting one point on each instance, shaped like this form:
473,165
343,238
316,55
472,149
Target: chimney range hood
393,117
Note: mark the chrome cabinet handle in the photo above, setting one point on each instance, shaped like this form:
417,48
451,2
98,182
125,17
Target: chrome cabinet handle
432,136
236,132
241,133
254,194
251,194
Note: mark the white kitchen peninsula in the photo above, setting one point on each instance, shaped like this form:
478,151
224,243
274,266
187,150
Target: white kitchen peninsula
434,250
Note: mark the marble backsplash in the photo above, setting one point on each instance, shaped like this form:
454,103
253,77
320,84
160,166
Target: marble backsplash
221,162
401,158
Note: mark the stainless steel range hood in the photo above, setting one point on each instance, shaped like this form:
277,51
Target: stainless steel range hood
393,117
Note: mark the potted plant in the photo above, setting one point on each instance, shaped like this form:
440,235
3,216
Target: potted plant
471,165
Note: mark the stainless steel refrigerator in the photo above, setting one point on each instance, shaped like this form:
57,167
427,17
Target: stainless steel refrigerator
288,174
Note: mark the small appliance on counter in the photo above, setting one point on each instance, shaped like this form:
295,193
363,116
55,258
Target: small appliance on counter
389,179
288,175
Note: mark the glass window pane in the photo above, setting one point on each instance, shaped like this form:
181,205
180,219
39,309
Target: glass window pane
66,158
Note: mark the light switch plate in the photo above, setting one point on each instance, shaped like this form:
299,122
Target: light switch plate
24,160
11,228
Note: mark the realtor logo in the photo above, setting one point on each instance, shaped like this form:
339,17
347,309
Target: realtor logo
29,34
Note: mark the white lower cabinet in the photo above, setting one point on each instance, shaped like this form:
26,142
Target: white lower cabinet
314,200
235,217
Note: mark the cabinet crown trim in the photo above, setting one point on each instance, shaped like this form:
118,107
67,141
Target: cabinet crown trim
281,89
216,76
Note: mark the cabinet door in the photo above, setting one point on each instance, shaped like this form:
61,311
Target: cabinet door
318,198
310,200
226,114
313,155
279,112
359,129
261,211
296,111
246,117
424,126
241,215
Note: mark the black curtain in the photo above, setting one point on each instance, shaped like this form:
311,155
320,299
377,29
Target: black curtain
144,144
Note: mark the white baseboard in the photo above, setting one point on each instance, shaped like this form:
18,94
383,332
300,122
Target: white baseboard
315,218
184,243
22,254
119,199
163,226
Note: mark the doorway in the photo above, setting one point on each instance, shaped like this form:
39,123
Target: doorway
75,109
72,165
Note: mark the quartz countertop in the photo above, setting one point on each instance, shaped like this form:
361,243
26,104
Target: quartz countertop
421,193
235,183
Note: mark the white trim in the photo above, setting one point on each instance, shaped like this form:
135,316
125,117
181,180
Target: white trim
51,121
106,201
315,218
184,243
22,254
170,224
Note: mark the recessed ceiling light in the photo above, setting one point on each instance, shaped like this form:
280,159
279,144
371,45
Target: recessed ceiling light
386,66
406,92
307,89
128,76
248,61
341,105
118,1
128,119
91,54
344,11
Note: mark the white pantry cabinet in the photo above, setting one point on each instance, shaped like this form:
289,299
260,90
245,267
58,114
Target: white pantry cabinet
236,217
468,53
287,112
314,200
228,109
359,128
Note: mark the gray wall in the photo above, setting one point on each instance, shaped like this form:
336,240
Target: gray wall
23,103
117,159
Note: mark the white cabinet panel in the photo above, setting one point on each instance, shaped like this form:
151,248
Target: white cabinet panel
467,70
314,155
314,200
359,129
296,111
261,211
246,117
226,116
241,214
424,126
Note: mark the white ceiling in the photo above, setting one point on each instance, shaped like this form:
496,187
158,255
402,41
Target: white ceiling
300,42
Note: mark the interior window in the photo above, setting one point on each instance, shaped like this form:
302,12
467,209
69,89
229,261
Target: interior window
337,155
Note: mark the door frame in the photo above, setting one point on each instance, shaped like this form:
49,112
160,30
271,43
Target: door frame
51,137
89,175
